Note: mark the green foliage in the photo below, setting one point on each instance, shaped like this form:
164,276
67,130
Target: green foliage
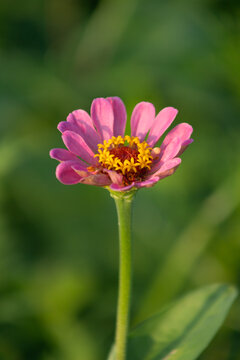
182,330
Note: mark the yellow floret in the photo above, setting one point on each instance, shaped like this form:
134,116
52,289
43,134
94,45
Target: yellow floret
109,161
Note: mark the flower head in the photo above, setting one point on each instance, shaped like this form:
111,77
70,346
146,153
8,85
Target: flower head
98,152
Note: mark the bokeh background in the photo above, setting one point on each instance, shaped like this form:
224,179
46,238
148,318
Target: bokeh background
58,244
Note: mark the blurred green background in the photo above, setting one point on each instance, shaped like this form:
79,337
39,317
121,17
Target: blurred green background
58,244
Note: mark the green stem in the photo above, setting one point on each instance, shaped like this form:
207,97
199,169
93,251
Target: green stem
123,204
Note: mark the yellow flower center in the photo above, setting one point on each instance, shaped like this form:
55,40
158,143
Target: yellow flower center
126,155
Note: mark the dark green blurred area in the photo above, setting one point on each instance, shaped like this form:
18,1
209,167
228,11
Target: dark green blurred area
58,244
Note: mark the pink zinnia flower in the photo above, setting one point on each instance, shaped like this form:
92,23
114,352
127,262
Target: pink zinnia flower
99,153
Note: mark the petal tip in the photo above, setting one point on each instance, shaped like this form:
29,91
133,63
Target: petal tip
51,153
66,175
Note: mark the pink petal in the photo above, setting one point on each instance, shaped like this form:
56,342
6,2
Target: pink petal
78,146
88,134
120,115
115,177
183,131
184,146
142,119
163,120
62,155
65,174
117,187
80,116
103,118
171,150
80,170
89,178
167,168
147,183
97,180
80,122
66,125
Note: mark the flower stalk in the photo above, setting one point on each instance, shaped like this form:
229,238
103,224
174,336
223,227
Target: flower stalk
124,211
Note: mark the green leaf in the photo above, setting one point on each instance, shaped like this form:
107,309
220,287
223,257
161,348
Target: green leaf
112,355
184,329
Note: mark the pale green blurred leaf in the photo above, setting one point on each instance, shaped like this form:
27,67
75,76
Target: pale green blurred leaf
112,355
184,329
